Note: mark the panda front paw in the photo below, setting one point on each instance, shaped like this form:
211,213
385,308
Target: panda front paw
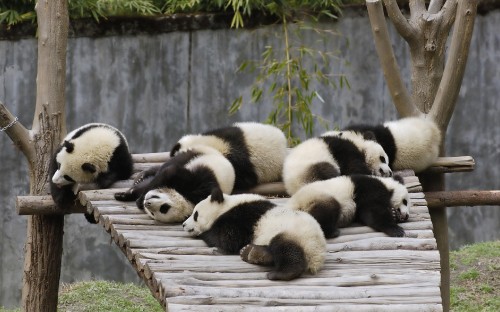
395,231
124,196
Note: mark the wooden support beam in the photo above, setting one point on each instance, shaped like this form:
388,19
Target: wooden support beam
43,205
462,198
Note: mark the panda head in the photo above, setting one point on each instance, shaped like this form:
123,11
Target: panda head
377,159
167,205
400,199
206,212
73,167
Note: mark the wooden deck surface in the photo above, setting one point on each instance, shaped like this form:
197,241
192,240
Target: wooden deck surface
364,270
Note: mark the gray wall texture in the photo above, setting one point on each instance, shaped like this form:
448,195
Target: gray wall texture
157,87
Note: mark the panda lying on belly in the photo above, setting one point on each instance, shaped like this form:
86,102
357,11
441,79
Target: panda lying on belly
377,202
169,193
263,233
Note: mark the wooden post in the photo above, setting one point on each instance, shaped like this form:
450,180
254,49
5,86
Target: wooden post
43,249
435,83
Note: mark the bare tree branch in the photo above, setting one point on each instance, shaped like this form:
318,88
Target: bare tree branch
400,22
17,133
392,73
435,6
447,93
417,8
449,12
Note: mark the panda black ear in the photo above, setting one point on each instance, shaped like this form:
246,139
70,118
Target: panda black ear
398,178
217,195
69,146
175,149
89,167
369,135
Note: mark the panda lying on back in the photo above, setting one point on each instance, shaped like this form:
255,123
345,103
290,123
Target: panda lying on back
410,143
169,193
255,150
94,153
262,232
377,202
332,155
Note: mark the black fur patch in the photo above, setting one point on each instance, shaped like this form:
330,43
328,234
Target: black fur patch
321,171
373,205
239,156
120,166
69,146
235,228
383,136
155,177
350,159
289,259
327,213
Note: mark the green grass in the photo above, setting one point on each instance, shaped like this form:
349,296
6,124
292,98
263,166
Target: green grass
475,280
106,296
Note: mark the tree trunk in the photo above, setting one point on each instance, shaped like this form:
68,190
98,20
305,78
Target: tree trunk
43,250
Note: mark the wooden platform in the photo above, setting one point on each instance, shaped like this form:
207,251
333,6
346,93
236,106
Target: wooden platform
364,270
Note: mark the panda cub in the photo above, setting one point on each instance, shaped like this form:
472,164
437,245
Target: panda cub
377,202
263,233
255,150
93,153
410,143
332,155
168,193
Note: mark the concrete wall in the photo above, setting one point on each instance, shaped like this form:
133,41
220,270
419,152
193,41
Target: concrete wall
157,87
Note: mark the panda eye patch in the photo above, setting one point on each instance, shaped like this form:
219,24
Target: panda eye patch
382,159
58,166
68,178
405,202
195,216
164,208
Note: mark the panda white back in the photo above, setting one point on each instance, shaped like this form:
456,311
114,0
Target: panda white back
267,146
417,142
340,188
298,163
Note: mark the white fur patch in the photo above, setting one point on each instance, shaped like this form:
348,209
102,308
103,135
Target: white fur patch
399,196
341,188
220,166
301,158
267,147
417,140
297,226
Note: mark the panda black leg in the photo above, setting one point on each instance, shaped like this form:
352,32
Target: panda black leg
380,219
289,259
256,254
327,214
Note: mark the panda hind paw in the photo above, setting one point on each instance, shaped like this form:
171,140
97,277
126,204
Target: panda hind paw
256,254
124,196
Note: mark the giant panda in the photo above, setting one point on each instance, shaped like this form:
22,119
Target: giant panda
331,155
169,193
411,143
255,150
378,202
93,153
262,232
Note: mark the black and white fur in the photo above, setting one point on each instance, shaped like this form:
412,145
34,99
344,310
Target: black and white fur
411,143
332,155
255,150
262,232
94,153
168,193
377,202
